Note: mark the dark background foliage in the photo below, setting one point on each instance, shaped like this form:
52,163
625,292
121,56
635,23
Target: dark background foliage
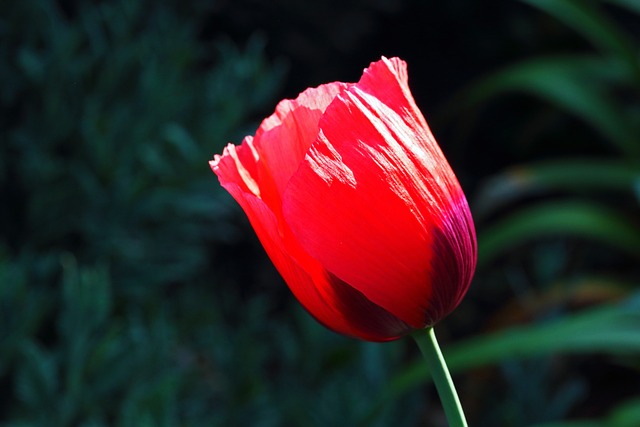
133,291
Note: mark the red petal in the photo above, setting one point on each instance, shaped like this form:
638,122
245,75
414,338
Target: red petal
238,166
373,199
283,139
388,81
408,205
333,303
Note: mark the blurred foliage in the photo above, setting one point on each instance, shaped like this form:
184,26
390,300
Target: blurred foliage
559,225
107,118
132,289
122,263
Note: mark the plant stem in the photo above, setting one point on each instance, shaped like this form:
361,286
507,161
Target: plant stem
441,377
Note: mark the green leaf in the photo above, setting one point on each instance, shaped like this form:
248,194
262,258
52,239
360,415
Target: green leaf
632,5
22,309
567,175
37,379
612,329
579,219
573,83
575,424
627,414
593,24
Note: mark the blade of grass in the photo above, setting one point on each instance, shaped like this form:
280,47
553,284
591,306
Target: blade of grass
611,329
566,175
587,19
632,5
627,414
572,83
579,219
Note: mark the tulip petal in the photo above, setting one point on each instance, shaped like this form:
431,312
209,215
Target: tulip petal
375,186
333,303
388,81
237,165
283,139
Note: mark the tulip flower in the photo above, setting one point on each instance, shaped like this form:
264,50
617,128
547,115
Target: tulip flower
359,211
356,206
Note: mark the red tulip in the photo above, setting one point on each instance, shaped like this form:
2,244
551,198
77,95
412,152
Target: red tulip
356,206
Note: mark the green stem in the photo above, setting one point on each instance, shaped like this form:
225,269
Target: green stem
441,377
